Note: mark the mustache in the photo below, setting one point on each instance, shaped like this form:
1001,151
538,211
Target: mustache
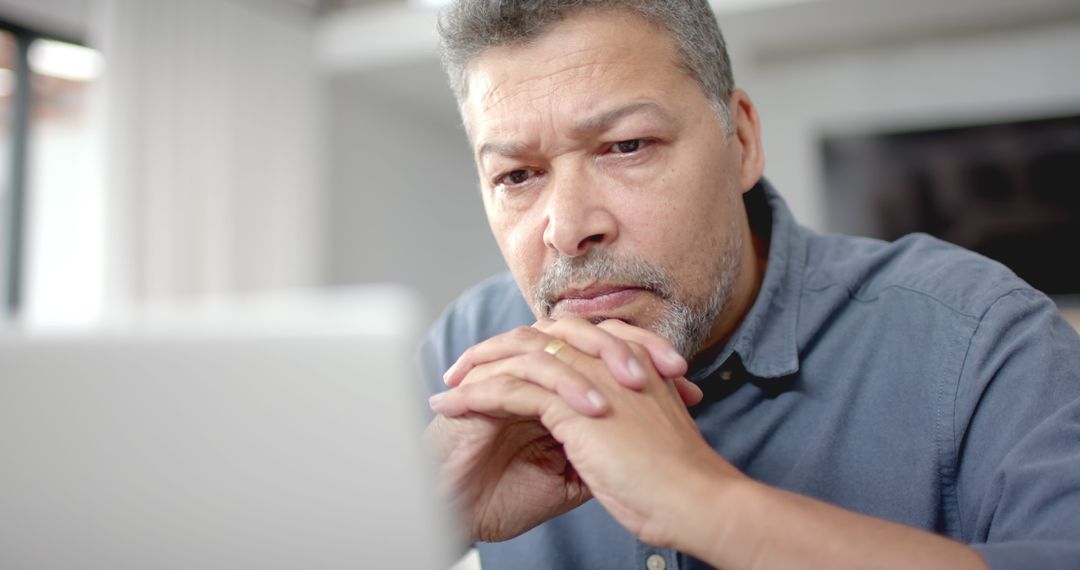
599,266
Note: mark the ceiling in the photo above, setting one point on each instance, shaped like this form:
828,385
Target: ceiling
332,5
718,5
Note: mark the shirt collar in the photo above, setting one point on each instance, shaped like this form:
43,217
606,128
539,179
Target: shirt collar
765,339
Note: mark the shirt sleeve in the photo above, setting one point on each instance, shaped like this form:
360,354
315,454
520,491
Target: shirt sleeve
492,307
434,356
439,349
1017,436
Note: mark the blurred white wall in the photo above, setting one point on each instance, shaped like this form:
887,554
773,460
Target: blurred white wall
213,147
200,172
406,204
404,192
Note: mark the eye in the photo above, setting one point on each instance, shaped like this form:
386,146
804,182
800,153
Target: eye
516,177
628,147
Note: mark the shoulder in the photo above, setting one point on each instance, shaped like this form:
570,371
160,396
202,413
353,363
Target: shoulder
958,279
489,308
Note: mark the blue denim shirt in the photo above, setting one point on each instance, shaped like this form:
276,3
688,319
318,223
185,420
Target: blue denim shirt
912,381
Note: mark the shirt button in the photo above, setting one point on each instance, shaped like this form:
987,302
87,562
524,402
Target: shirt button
655,562
725,375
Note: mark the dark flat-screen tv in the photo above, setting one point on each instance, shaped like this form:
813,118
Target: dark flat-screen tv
1008,190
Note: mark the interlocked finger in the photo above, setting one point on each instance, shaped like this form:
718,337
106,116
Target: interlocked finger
505,397
552,369
663,354
518,341
613,347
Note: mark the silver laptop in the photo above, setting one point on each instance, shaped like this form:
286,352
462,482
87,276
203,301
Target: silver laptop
283,433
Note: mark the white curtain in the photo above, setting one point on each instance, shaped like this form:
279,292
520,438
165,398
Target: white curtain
211,116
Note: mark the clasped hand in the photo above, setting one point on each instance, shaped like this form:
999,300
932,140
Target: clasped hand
524,435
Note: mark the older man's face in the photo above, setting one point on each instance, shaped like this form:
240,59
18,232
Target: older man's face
609,181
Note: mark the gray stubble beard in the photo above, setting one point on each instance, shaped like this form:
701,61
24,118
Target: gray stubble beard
686,323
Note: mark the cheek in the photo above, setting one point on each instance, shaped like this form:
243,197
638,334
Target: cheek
521,244
683,228
664,217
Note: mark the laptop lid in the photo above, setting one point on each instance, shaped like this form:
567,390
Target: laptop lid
266,435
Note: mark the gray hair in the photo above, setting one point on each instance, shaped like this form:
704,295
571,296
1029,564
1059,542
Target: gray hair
467,28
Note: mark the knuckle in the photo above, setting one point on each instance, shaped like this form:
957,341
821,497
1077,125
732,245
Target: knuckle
543,323
463,391
476,375
475,389
531,361
538,361
510,388
468,380
499,387
521,333
566,324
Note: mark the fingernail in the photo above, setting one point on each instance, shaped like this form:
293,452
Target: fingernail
636,371
674,358
697,390
596,399
436,400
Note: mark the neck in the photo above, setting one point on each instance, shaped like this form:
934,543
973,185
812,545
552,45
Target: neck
754,260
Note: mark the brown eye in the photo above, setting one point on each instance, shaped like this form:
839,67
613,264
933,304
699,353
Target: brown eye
517,176
627,147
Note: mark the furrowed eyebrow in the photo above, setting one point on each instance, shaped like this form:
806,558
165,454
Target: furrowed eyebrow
509,149
606,119
598,122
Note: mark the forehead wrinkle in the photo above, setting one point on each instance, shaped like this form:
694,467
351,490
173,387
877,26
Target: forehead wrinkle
575,53
539,90
538,86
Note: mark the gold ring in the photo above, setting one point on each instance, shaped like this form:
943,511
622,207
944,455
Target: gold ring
554,347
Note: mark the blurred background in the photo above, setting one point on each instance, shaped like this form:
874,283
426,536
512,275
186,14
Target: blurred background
174,149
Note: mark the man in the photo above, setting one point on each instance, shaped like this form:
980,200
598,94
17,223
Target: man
853,403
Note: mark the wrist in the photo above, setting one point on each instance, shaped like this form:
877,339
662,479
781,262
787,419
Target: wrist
737,536
718,510
757,526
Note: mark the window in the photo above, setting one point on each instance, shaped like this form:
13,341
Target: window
11,192
45,144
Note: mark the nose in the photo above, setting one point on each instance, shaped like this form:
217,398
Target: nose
578,216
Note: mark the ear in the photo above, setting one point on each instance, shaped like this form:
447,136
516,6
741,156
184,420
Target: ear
747,135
